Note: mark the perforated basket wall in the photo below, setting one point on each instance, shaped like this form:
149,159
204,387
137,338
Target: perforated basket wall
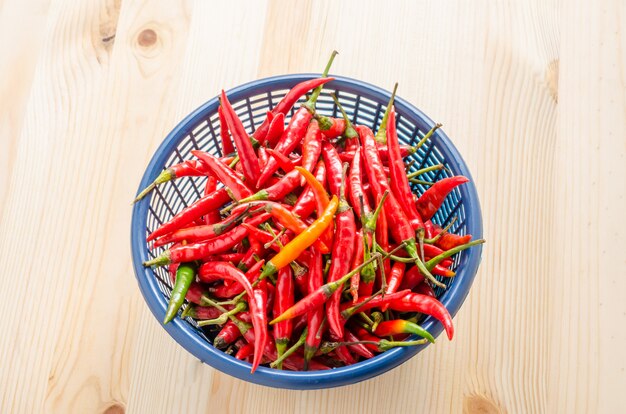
365,104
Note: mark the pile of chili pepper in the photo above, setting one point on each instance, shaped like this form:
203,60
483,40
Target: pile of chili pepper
309,249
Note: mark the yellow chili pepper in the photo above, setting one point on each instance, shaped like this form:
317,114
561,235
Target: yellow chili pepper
302,241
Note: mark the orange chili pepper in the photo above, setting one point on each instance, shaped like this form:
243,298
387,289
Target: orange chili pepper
302,241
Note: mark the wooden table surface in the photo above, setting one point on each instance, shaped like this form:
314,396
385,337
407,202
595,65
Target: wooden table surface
533,93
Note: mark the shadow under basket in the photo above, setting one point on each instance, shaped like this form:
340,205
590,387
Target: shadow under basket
364,104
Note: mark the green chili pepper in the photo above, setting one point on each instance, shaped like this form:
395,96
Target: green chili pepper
185,274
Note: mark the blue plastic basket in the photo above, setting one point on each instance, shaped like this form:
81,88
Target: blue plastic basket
365,105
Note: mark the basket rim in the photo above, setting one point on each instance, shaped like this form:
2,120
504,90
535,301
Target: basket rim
185,335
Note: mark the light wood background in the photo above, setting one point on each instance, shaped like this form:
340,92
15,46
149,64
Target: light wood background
533,94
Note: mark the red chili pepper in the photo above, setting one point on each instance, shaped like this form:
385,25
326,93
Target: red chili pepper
342,254
306,203
450,240
247,156
244,352
200,251
432,199
276,129
364,335
227,143
400,326
227,176
284,162
344,355
229,333
184,169
263,157
259,320
382,239
334,166
442,271
287,103
311,147
356,192
394,278
413,302
412,277
284,300
399,182
224,291
213,216
335,128
198,233
359,349
366,303
358,259
188,215
315,317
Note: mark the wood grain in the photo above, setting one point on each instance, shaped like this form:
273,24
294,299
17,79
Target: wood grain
533,94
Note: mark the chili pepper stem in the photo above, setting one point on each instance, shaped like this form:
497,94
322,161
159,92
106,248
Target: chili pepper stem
381,134
427,136
165,176
425,170
349,132
275,239
223,318
448,253
310,103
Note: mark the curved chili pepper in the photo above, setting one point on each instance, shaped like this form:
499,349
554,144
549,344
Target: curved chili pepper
276,129
185,274
302,241
224,291
306,203
321,201
399,183
413,302
311,147
284,300
342,255
259,315
400,326
245,150
227,176
190,214
199,233
287,103
366,303
432,199
227,143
